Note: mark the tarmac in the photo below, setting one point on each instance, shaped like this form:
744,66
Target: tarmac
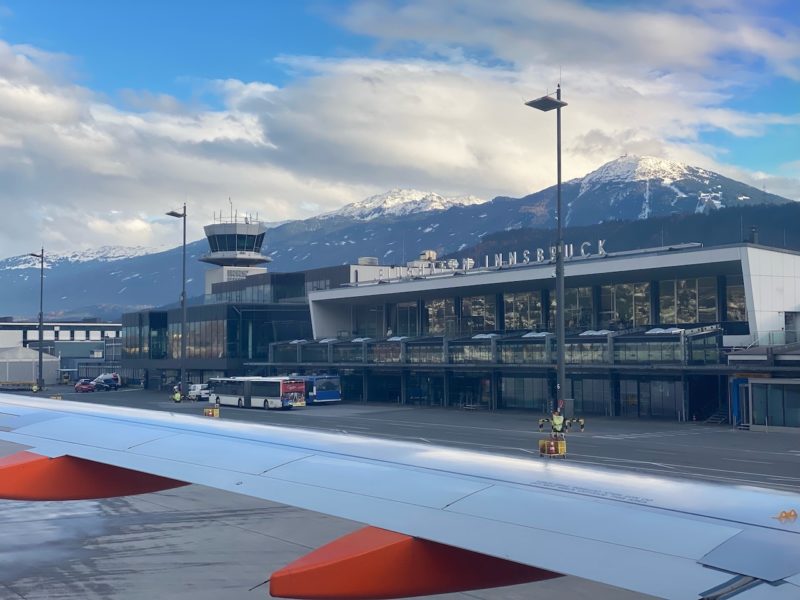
200,543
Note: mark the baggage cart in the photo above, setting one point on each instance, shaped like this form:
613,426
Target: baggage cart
553,448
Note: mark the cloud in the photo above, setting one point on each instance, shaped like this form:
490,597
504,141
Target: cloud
431,109
616,38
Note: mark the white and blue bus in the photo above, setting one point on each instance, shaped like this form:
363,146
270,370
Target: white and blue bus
259,392
322,388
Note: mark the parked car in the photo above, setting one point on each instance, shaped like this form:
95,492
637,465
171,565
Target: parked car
107,381
84,385
198,391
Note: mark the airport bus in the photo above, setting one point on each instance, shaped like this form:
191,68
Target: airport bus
322,388
259,392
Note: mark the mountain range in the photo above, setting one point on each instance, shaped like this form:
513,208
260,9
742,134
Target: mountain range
394,227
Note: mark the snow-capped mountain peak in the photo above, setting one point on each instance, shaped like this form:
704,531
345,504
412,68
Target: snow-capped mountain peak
630,168
399,202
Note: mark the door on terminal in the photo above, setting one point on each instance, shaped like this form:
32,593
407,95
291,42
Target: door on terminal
629,397
744,403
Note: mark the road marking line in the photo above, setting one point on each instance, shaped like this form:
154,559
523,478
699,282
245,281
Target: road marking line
758,462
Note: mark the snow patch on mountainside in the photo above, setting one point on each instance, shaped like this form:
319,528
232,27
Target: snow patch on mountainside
400,202
103,253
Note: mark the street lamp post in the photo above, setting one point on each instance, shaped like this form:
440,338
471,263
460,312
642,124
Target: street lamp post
546,103
40,256
182,215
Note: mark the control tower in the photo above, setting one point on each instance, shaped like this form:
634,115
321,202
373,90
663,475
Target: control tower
235,247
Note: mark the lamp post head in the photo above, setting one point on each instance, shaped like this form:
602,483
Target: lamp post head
176,214
545,103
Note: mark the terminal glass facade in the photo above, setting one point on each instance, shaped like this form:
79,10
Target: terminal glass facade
421,354
776,404
478,314
469,352
407,319
578,308
624,305
523,310
688,300
734,293
646,397
591,395
440,316
526,392
521,351
587,352
368,321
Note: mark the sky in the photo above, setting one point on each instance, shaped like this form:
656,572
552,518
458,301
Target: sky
113,113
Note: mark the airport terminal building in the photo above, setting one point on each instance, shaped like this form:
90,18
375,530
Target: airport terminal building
682,332
649,332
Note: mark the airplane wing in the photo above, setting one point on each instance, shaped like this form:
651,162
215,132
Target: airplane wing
430,508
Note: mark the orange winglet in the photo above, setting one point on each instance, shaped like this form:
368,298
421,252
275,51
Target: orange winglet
29,476
375,563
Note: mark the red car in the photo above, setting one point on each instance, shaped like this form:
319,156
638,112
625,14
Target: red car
84,385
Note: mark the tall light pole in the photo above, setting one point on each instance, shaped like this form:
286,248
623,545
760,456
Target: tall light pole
40,256
182,215
546,103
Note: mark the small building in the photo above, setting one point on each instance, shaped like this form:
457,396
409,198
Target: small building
19,367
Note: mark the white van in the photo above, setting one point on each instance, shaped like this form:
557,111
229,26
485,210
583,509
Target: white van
198,391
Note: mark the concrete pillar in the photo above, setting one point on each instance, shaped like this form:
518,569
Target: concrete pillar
596,295
446,399
365,386
655,304
499,312
403,387
495,397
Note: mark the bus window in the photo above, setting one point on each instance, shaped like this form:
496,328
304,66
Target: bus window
227,391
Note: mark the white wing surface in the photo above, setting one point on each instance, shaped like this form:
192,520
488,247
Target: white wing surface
665,537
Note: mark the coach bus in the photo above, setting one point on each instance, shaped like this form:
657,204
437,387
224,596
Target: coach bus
259,392
322,388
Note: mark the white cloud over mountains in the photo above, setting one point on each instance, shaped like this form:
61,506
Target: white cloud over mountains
79,169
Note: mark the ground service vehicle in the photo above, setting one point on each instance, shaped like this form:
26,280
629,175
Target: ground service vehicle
198,391
261,392
107,381
322,388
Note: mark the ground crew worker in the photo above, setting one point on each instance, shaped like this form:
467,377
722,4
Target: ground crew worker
176,397
557,424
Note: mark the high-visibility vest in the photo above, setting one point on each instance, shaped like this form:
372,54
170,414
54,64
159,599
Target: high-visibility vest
558,423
